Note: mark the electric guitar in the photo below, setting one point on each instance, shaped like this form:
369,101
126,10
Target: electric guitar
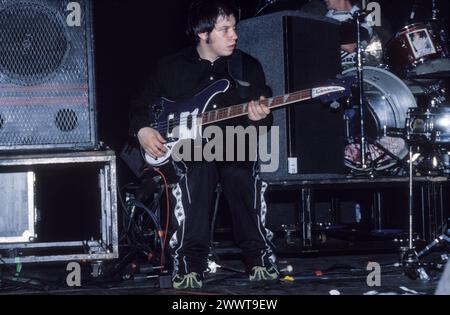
183,120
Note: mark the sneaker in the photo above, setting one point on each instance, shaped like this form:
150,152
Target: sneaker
259,273
190,281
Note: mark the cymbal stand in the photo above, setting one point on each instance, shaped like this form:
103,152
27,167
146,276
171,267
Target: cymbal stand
409,258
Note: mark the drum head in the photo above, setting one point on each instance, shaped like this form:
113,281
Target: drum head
387,100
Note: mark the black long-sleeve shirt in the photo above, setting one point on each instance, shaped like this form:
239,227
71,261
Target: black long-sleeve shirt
181,76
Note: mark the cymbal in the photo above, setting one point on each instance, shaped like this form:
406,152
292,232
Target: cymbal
349,34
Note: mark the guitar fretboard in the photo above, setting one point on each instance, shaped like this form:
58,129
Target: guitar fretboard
242,109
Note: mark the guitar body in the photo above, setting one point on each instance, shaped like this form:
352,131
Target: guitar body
177,121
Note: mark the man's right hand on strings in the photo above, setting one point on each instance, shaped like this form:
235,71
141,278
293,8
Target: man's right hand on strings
152,142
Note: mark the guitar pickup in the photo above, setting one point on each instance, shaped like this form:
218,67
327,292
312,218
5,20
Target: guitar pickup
189,122
171,124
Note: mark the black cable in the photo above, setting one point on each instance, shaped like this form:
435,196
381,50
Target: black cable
128,216
22,282
149,212
7,266
139,218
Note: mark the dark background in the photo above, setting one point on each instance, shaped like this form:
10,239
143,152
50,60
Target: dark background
130,37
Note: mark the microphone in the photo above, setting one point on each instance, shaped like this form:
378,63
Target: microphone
361,14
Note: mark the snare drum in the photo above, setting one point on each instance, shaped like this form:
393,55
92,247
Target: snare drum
430,126
417,52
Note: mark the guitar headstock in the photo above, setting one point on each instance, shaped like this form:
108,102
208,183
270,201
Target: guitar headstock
334,89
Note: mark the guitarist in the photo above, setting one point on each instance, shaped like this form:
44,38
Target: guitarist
179,77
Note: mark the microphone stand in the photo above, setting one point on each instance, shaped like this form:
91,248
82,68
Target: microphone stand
358,15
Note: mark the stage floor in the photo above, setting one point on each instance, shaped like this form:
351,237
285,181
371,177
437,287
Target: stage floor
320,275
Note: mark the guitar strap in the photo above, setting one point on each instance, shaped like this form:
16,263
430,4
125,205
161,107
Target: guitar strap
235,70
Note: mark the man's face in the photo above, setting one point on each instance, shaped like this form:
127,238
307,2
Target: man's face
221,42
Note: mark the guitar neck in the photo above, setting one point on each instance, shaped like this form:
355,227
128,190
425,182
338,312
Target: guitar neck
230,112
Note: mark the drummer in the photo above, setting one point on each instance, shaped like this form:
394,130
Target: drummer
343,10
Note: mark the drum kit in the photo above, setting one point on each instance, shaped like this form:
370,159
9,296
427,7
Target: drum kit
403,122
401,101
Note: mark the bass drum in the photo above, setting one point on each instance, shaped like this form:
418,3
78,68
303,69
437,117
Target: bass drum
387,101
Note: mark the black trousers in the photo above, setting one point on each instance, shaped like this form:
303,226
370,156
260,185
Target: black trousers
194,198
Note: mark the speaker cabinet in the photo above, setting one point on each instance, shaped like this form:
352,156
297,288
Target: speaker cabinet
46,75
299,51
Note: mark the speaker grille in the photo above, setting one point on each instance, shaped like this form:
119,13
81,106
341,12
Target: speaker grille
33,43
46,76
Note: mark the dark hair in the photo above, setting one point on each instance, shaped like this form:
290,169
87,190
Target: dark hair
203,15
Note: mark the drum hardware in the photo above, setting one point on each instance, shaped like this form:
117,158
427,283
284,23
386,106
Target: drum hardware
437,92
428,94
409,257
376,155
408,254
428,131
428,135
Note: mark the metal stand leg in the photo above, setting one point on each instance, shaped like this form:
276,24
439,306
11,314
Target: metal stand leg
435,242
306,217
408,255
